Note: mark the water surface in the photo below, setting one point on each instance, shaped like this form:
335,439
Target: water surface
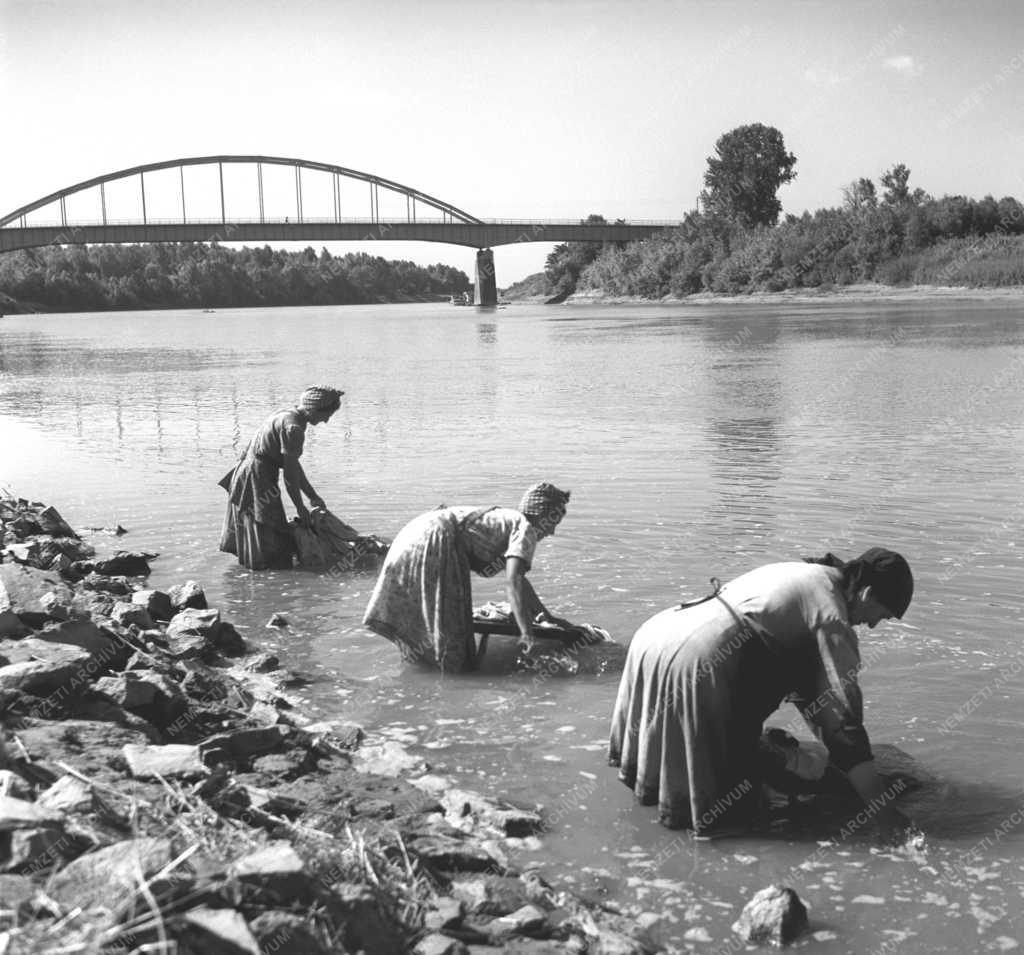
698,441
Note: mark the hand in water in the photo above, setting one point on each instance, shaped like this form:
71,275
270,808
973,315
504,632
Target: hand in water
317,501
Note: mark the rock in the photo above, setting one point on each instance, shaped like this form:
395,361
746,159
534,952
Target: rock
86,744
387,759
129,614
125,563
188,594
261,663
527,920
25,587
11,784
266,714
361,921
170,761
118,586
147,693
16,897
279,933
22,814
462,806
453,855
106,649
281,764
491,895
54,607
609,942
50,522
42,668
109,876
189,624
11,626
275,870
34,850
206,931
243,744
156,603
775,914
447,912
278,620
229,641
68,794
88,603
440,945
103,711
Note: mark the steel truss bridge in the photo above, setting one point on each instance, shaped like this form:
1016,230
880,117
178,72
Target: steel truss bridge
412,216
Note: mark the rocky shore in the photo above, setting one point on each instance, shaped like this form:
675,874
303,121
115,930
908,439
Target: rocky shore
160,792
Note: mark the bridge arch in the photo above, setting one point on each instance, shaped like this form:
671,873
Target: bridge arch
450,212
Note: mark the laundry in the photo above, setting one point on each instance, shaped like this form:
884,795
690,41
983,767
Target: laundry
326,542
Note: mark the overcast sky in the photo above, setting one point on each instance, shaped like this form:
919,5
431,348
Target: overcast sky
517,108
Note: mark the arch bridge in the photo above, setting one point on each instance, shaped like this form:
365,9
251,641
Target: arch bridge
282,199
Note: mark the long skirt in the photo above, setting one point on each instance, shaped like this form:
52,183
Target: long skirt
695,691
423,600
255,528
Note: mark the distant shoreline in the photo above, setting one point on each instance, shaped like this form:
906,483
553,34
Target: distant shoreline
866,292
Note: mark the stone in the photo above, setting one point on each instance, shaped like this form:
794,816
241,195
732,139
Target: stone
105,648
775,914
462,806
156,603
88,745
109,876
527,920
246,743
278,620
104,583
25,587
125,563
35,850
191,622
491,895
262,663
42,668
88,603
280,764
147,693
11,626
206,931
436,944
103,711
609,942
360,921
67,794
228,641
174,760
275,870
11,784
453,855
188,594
17,894
446,913
128,613
266,714
22,814
54,607
386,759
50,522
283,932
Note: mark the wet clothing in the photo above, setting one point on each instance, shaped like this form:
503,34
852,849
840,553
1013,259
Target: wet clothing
255,526
423,600
699,683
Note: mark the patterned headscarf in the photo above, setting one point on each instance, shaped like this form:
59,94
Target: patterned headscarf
320,398
545,503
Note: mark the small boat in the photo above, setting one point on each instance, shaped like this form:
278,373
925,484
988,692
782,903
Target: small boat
463,298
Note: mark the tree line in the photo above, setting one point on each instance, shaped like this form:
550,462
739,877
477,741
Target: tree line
733,242
197,275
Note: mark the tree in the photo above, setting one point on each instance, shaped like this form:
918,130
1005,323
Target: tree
894,181
742,180
568,259
860,194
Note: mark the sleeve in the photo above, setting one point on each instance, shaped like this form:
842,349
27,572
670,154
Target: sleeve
293,437
831,700
522,542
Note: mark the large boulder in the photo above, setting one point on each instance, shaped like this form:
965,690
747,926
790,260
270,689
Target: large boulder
147,693
125,564
41,668
156,603
22,589
186,595
172,761
106,650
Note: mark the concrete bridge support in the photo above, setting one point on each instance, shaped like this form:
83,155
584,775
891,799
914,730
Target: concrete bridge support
486,288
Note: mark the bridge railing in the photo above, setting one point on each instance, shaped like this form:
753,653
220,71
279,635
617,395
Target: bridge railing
313,220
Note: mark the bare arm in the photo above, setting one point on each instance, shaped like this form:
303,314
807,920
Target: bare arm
877,799
521,597
294,483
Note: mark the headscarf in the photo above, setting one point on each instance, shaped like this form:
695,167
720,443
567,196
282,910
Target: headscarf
544,504
886,572
320,398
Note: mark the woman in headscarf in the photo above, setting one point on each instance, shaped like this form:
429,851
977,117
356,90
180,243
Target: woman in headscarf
255,527
701,678
423,599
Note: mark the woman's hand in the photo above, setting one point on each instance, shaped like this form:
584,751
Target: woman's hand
545,616
315,500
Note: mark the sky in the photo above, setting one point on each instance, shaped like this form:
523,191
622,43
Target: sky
517,109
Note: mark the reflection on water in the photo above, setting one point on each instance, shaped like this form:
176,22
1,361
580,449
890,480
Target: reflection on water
698,441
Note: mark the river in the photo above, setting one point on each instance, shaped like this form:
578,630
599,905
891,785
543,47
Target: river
698,441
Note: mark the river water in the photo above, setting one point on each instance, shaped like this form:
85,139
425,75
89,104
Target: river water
698,441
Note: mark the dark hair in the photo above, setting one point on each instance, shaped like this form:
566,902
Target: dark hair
884,571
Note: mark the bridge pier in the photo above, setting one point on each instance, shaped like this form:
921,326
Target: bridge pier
485,290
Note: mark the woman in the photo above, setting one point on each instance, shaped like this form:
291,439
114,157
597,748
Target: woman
701,678
255,528
423,599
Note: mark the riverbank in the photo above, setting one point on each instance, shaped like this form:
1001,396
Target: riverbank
862,293
159,785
